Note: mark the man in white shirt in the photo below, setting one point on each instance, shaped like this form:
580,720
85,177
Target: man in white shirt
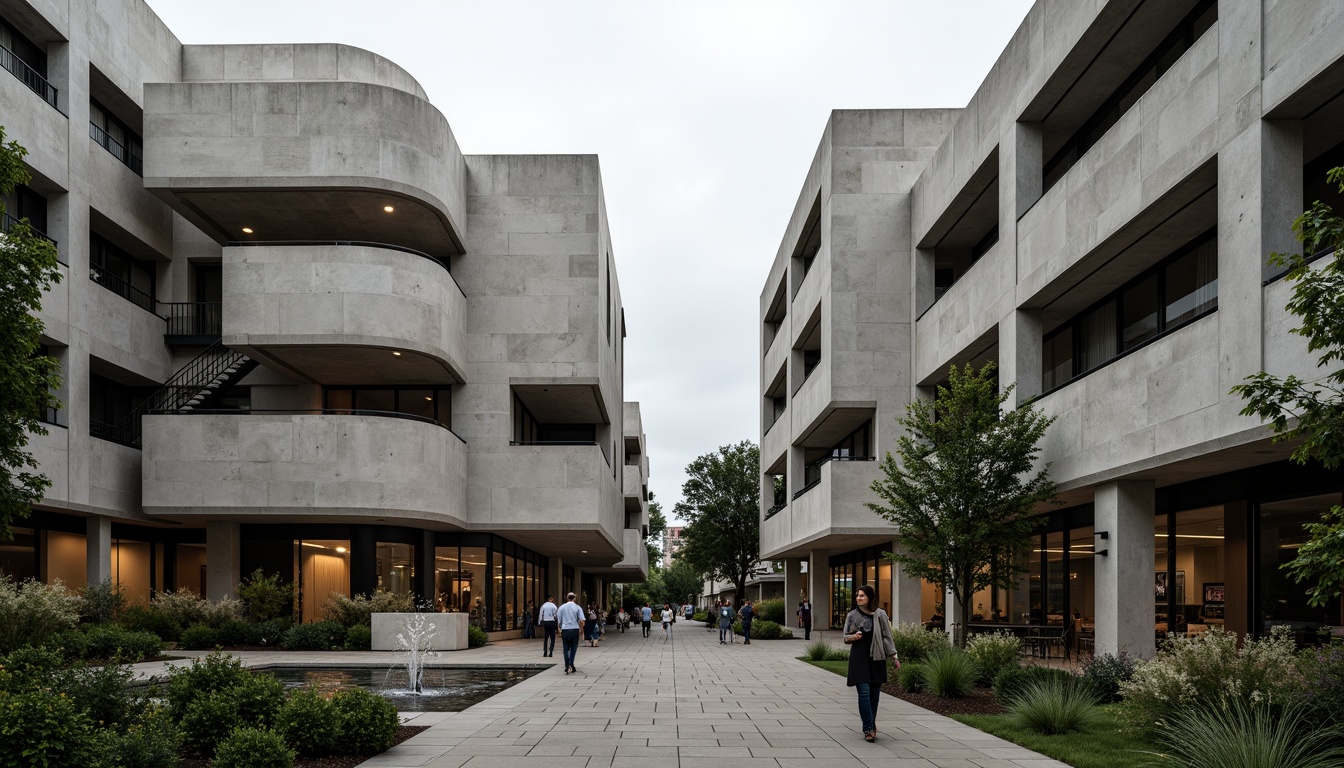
548,623
570,616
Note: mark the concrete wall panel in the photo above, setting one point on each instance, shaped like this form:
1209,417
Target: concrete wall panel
331,62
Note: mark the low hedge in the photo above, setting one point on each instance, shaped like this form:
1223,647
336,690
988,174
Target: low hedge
765,630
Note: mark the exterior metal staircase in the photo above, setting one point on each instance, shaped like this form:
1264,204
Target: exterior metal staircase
197,385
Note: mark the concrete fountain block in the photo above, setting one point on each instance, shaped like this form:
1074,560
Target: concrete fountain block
450,630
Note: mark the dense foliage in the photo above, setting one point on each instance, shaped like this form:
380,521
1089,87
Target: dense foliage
721,506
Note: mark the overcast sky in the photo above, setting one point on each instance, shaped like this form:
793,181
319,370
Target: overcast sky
705,116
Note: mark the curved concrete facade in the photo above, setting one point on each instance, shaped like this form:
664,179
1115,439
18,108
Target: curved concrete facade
280,298
206,140
281,467
294,62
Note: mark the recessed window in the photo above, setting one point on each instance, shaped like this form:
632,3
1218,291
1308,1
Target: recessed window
429,404
27,61
112,135
1180,289
121,273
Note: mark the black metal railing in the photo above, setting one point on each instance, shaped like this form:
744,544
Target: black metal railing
552,442
7,222
117,433
807,488
812,472
52,415
775,510
116,149
29,76
122,288
192,318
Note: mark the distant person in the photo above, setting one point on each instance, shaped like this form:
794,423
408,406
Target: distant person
668,618
805,617
726,622
868,634
622,620
548,625
591,625
529,629
747,613
570,616
687,611
646,620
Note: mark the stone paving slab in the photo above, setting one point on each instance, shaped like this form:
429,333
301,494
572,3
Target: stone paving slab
659,703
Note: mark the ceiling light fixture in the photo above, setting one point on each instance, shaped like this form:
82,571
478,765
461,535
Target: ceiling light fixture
583,551
388,209
340,549
247,230
396,354
430,399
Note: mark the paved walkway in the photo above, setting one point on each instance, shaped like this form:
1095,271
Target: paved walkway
639,703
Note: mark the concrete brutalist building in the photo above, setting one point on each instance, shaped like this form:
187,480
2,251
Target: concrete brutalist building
1097,221
314,338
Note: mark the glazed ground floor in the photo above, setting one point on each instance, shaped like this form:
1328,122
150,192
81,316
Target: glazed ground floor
485,575
1122,571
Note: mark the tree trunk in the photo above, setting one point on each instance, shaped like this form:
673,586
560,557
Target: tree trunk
964,610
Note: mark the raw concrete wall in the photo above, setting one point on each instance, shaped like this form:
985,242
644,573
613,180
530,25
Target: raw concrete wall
306,62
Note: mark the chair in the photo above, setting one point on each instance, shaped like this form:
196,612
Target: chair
1059,640
1034,642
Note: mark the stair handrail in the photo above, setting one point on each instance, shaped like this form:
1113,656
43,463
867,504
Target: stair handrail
172,391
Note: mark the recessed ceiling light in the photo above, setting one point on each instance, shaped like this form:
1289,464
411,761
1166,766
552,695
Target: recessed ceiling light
396,354
583,551
388,209
247,230
430,399
340,549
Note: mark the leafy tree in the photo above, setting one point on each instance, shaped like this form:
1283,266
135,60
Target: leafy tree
657,526
963,491
680,580
1312,413
27,380
721,506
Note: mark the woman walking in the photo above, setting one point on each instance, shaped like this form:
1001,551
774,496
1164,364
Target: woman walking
591,625
868,635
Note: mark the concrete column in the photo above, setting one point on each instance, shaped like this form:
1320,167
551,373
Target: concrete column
1024,167
951,613
794,586
222,568
819,588
555,579
1124,594
1020,355
906,595
98,548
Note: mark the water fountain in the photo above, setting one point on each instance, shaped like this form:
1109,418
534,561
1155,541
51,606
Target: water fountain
416,642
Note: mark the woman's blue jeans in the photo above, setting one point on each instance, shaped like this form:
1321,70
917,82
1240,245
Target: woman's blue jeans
869,695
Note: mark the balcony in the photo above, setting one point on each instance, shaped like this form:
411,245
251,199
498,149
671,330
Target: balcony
634,563
306,160
7,222
832,505
115,148
303,466
345,313
29,77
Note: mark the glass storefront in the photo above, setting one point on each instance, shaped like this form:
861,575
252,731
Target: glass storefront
492,583
321,568
854,569
1279,600
395,567
18,557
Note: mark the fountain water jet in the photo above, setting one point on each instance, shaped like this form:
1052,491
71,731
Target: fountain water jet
416,642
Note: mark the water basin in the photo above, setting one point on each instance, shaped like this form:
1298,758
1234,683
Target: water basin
447,689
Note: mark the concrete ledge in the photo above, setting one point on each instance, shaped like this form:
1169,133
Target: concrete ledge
450,630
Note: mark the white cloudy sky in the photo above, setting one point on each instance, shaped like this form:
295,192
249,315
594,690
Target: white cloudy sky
705,116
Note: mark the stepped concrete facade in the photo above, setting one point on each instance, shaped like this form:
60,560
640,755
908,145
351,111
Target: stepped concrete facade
317,339
1096,221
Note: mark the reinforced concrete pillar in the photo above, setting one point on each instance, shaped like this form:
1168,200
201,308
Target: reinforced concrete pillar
1124,575
555,579
98,548
907,595
794,586
819,589
222,568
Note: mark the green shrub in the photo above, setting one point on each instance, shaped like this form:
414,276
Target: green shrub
993,652
476,637
219,612
1322,696
1054,707
234,632
101,692
265,597
1243,734
1105,673
101,603
270,632
182,607
253,748
253,701
29,668
187,684
914,643
1209,671
1012,681
152,742
147,618
950,674
32,613
317,636
359,610
199,637
309,723
700,616
765,630
911,677
72,644
772,610
359,638
112,642
368,722
43,728
817,650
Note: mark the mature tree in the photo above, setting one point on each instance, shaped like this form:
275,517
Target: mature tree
1312,412
963,490
27,380
657,525
682,581
721,506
